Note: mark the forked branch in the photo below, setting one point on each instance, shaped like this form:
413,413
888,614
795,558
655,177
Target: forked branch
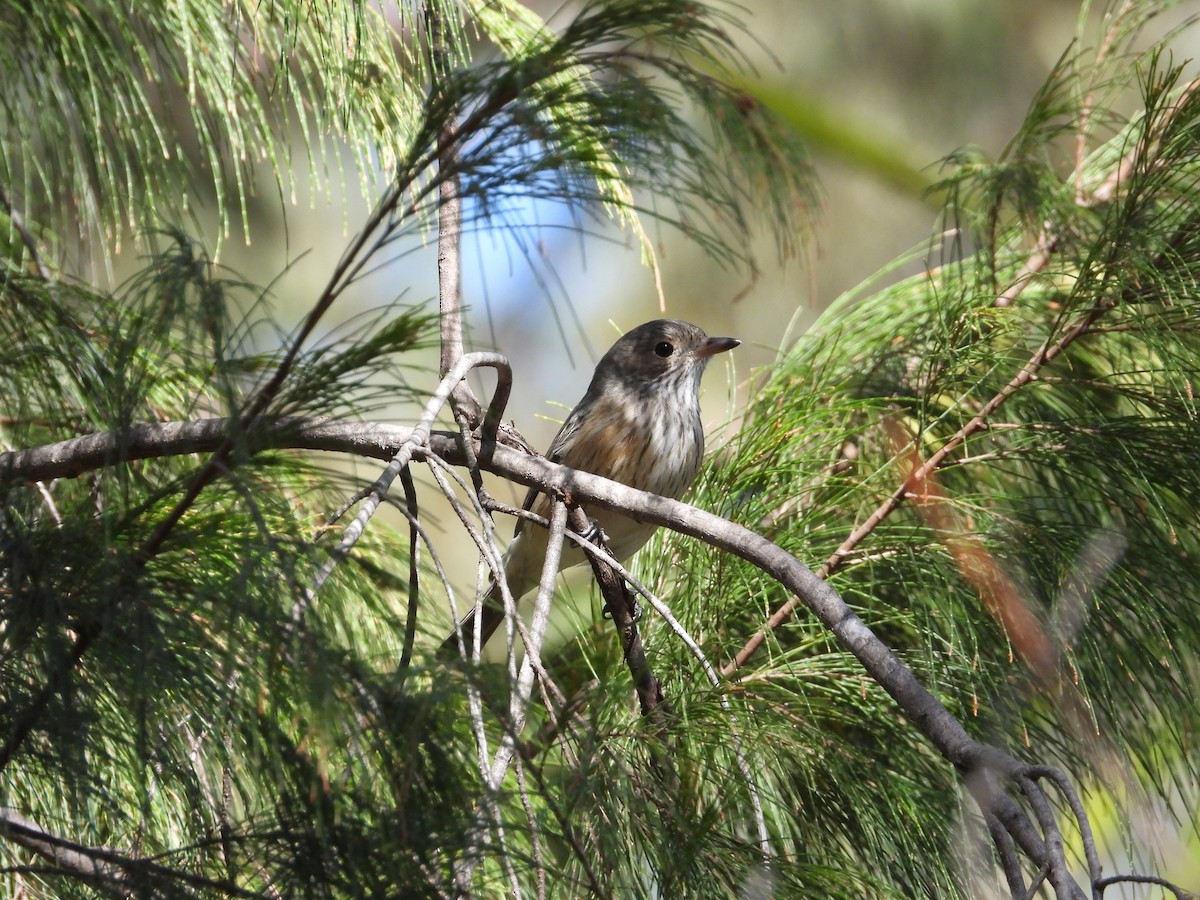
989,773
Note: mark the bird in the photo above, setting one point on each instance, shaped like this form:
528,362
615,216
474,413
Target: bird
638,423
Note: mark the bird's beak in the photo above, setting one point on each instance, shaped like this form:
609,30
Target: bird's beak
713,346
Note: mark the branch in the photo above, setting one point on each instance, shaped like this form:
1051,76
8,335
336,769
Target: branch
352,262
81,862
418,438
377,441
1180,894
621,607
986,770
414,570
450,320
523,688
913,483
930,717
599,556
118,874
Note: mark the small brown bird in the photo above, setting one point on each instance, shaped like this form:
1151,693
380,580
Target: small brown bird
639,424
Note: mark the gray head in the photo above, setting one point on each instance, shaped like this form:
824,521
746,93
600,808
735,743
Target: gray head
658,355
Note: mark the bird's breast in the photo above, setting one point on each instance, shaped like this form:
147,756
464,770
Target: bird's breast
653,447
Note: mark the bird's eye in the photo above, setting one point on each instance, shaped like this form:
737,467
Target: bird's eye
663,349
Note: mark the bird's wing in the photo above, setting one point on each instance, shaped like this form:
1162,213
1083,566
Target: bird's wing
558,450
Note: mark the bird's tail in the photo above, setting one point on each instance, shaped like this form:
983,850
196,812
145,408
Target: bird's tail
491,619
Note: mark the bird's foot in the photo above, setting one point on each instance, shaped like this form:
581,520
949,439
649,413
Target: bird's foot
594,534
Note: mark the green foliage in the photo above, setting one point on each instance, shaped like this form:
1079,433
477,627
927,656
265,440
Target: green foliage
171,688
1074,508
186,701
629,97
118,115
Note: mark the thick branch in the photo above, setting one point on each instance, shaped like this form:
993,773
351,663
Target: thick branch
930,717
86,863
116,873
378,441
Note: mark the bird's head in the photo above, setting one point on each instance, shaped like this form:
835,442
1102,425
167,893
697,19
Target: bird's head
660,352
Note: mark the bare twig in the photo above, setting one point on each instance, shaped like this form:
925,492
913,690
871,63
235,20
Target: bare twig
523,686
420,435
599,555
23,723
624,615
1010,862
1036,262
430,547
1104,883
1057,870
489,551
414,569
484,540
489,810
583,856
535,838
465,866
450,319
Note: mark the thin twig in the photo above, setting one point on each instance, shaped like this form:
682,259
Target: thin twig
23,724
535,835
1010,863
352,261
625,617
566,826
739,751
523,683
1059,871
420,435
465,406
414,570
598,553
47,497
523,686
1044,248
1180,894
485,543
1035,885
464,868
430,547
1082,822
